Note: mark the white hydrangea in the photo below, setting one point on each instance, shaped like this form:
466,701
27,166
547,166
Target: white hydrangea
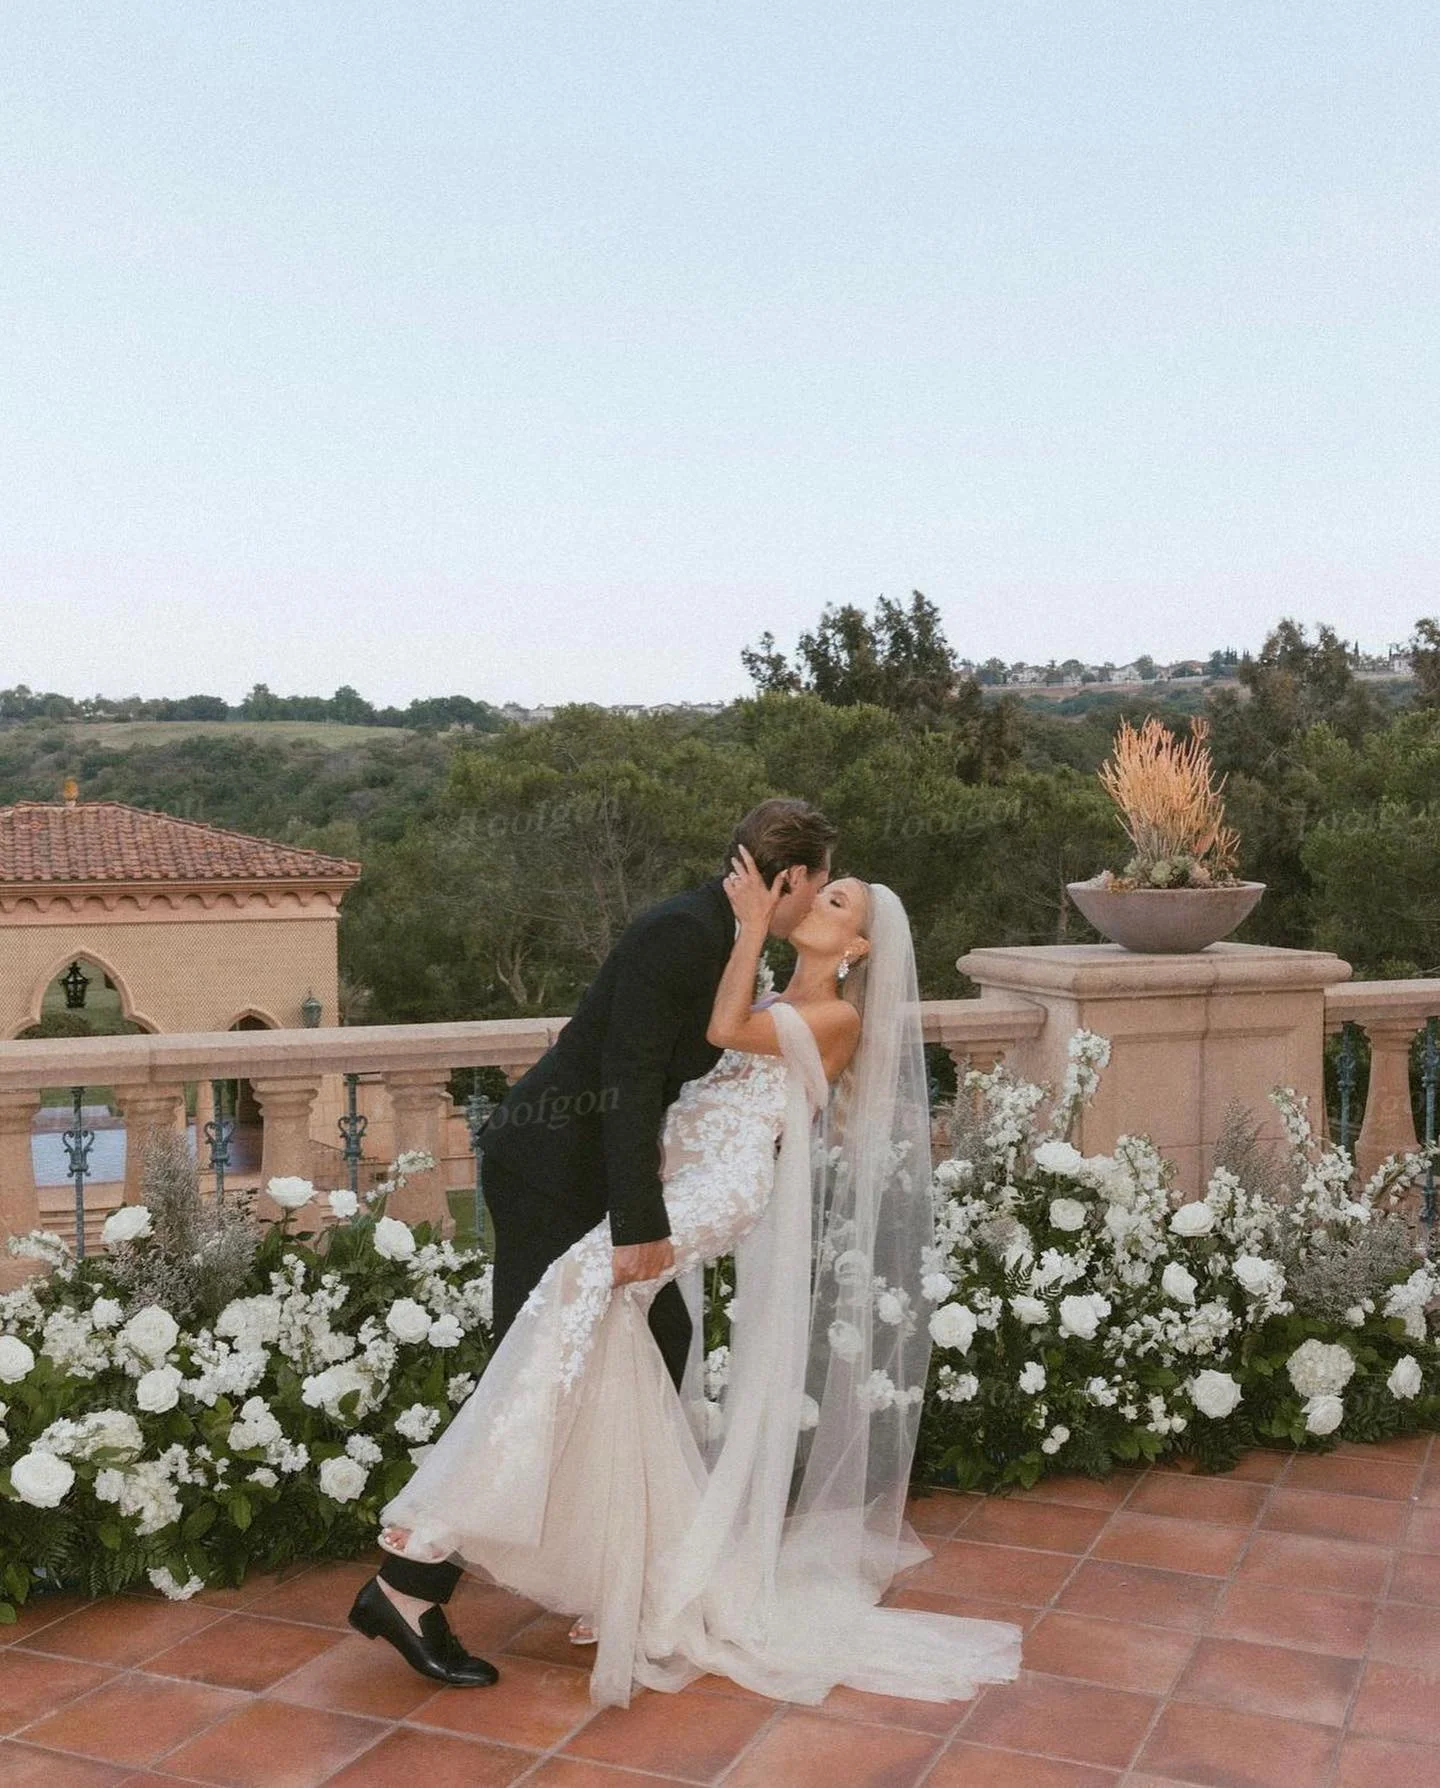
1409,1299
251,1323
417,1423
446,1331
936,1287
364,1449
171,1587
107,1313
70,1342
956,1387
1320,1368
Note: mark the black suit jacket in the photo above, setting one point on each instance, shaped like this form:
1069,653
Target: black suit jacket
582,1128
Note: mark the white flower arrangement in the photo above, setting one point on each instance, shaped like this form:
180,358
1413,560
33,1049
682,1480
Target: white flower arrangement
1087,1313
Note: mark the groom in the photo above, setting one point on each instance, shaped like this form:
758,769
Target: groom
577,1138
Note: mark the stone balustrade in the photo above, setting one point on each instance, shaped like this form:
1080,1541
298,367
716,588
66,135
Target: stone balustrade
1190,1035
1392,1014
287,1068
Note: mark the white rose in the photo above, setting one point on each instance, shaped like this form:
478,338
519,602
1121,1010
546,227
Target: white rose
1081,1316
290,1192
1405,1378
936,1287
1032,1378
127,1224
1060,1158
393,1239
342,1478
41,1479
1178,1284
446,1331
1256,1275
16,1359
1323,1414
105,1313
158,1389
151,1332
1056,1438
847,1341
1067,1213
953,1325
407,1320
1195,1218
1319,1368
1031,1311
1214,1394
343,1203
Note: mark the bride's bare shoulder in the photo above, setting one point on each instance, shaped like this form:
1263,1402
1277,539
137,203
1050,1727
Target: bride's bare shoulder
835,1026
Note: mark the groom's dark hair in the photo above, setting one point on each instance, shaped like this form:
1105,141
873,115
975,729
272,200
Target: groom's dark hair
780,832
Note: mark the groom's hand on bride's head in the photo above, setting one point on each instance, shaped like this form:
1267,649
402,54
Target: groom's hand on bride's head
750,900
639,1261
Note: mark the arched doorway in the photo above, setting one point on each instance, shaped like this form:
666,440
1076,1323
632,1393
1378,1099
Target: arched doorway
81,999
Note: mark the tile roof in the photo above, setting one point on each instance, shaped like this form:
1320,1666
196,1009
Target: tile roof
108,841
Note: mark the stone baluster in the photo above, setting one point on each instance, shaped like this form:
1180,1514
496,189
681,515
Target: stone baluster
1389,1124
286,1150
420,1098
19,1201
145,1108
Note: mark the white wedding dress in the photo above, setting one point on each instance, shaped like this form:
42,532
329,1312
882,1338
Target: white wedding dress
577,1475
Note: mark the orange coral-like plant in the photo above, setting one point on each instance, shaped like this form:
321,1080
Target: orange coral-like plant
1171,806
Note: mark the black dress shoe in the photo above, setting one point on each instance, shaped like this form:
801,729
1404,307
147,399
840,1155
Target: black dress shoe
434,1651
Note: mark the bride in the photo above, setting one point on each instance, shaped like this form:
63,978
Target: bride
754,1538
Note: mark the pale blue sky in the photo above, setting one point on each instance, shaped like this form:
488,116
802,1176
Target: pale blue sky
548,349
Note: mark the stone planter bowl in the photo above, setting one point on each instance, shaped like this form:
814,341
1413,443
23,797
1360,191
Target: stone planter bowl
1165,921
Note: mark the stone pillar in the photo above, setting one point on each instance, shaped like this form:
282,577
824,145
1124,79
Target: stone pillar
421,1101
1188,1034
285,1112
19,1201
145,1108
1389,1123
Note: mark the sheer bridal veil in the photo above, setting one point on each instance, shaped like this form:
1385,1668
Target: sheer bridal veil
801,1524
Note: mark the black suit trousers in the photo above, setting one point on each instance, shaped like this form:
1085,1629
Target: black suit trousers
529,1234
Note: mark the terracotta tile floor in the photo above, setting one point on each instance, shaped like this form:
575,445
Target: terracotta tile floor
1275,1628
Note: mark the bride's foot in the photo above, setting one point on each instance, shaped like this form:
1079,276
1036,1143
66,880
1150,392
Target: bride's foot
401,1542
582,1633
